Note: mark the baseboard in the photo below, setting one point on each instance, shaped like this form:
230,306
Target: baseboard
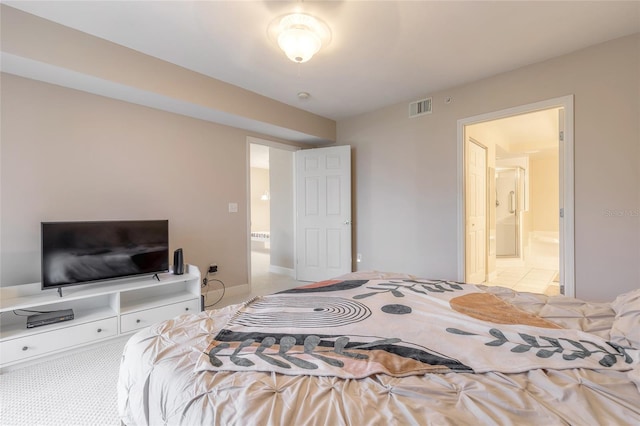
282,271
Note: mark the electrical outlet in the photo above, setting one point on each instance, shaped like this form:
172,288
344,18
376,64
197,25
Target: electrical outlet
213,268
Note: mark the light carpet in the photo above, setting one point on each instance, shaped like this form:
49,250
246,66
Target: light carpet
78,389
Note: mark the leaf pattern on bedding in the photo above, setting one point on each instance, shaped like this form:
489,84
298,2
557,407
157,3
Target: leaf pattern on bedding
282,354
399,327
570,350
396,287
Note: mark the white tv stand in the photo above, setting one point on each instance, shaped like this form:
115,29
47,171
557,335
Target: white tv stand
102,311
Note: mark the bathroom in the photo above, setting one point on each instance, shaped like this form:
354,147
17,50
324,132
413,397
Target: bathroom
527,234
523,200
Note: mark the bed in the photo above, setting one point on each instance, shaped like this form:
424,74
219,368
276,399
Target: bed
389,349
260,236
260,241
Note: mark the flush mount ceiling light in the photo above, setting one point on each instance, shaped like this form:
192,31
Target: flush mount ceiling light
301,36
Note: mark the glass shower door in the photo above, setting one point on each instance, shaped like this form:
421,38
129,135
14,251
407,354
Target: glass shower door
508,195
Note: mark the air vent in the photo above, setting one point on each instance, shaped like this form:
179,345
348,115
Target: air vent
421,107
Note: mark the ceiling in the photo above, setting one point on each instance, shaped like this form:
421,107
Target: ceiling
381,52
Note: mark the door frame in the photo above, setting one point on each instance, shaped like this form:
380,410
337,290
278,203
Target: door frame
272,144
566,151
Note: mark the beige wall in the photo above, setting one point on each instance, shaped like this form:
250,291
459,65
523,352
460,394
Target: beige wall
44,42
543,193
69,155
406,171
260,209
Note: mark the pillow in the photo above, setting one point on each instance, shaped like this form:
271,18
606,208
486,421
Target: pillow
626,325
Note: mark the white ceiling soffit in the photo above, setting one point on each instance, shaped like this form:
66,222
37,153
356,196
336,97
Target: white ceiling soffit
381,52
47,73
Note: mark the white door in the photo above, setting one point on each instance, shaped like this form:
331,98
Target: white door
476,212
323,213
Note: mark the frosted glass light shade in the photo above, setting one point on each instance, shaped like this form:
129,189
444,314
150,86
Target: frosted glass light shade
299,37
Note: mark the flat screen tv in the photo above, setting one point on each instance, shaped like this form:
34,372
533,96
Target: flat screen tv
86,252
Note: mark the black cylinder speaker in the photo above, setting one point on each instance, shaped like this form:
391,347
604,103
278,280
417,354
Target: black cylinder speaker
178,262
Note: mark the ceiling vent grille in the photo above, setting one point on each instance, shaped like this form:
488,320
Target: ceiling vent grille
421,107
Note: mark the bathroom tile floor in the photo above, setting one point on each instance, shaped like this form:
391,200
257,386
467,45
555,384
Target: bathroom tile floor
523,278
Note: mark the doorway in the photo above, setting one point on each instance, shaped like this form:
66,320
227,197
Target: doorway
271,216
529,236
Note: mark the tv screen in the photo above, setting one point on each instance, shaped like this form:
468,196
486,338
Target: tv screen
83,252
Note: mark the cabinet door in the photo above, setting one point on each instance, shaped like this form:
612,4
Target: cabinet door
50,341
137,320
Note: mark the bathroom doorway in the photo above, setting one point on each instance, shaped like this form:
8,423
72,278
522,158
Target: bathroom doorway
529,187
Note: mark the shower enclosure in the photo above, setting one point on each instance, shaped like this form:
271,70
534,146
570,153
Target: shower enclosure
509,205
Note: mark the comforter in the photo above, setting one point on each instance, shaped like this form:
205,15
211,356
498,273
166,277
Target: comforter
385,351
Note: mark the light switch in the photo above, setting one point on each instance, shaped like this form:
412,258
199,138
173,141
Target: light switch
233,207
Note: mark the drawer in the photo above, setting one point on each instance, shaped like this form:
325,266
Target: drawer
137,320
64,338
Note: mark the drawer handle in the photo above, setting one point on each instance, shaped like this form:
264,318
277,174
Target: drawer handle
24,348
186,309
99,330
137,321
